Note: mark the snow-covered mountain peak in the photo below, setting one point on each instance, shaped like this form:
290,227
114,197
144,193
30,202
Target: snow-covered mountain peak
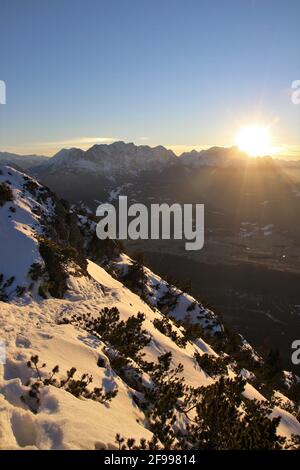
105,159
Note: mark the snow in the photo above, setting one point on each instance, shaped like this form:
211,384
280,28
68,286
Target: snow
186,306
65,422
30,327
109,159
18,247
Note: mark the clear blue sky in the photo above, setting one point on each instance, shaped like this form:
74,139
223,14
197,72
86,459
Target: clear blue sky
181,73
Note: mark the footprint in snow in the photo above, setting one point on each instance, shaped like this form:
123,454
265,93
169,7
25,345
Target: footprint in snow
45,336
23,342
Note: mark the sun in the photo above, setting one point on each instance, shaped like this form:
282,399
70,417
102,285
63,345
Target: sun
255,140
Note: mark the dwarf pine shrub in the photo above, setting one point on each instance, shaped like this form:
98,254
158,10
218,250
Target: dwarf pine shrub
6,194
164,325
77,387
128,337
212,365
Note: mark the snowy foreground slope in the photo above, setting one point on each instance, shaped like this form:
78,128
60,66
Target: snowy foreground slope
32,325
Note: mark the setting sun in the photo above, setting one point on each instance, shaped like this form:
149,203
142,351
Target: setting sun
256,141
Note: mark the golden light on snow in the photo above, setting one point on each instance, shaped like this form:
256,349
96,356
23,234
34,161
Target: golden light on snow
255,140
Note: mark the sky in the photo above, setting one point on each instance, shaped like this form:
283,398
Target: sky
180,73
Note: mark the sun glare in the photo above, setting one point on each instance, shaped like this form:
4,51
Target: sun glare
256,141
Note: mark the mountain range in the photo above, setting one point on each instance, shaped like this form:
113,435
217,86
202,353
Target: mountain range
120,156
234,187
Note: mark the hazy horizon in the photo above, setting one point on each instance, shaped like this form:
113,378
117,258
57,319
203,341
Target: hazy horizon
177,149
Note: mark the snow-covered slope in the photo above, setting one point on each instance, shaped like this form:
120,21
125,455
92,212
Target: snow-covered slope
63,421
21,224
160,294
53,329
